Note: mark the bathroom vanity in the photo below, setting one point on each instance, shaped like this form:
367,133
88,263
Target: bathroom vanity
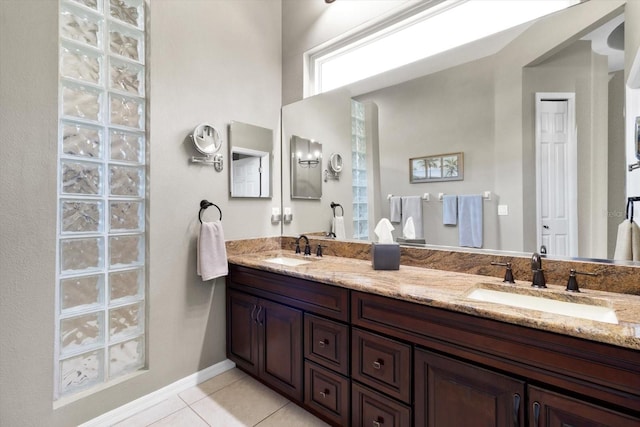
397,348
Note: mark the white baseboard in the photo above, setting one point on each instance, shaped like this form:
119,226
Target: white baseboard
144,402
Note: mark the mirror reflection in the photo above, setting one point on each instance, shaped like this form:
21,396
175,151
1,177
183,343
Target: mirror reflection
306,168
250,149
486,108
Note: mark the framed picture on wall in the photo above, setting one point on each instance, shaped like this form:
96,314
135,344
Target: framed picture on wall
441,167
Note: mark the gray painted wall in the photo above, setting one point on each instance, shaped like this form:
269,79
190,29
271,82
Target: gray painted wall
213,61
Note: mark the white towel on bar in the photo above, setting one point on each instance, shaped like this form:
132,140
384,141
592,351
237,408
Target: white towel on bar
449,210
470,220
628,242
395,207
338,227
412,208
212,252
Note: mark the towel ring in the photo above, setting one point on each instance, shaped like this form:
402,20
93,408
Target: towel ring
204,204
630,201
336,205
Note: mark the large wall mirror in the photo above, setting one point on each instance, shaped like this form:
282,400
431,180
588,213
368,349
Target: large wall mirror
485,107
250,149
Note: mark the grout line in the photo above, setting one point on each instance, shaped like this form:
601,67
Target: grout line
271,414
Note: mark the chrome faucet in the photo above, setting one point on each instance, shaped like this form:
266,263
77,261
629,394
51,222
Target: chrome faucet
538,273
307,248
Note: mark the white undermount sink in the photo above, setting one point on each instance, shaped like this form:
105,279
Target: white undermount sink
573,309
289,262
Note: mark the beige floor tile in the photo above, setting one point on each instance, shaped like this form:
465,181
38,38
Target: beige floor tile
216,383
292,416
183,418
154,413
243,403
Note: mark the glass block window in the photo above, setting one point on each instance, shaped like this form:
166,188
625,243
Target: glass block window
359,170
100,285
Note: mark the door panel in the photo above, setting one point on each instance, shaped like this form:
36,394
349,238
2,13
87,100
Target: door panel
450,393
549,409
281,364
242,330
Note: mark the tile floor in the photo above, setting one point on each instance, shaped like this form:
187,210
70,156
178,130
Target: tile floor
231,399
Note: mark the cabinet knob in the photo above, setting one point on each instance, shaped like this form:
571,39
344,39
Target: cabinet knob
323,343
378,422
324,393
378,364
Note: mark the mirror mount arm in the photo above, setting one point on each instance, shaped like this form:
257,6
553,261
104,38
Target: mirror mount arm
634,166
216,160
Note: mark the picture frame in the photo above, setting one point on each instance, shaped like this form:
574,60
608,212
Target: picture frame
436,168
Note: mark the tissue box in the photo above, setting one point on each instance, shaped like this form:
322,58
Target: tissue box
385,256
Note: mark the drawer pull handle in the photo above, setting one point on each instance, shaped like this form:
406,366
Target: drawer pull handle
378,364
378,422
324,393
323,343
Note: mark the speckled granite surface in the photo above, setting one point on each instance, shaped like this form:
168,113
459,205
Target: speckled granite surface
449,289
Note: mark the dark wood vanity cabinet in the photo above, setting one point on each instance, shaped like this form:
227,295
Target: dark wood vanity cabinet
265,339
293,336
360,359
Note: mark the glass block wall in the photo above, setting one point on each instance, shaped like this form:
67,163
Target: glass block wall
359,170
100,286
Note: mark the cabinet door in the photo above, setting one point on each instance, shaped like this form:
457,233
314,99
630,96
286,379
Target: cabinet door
242,330
450,393
549,409
281,348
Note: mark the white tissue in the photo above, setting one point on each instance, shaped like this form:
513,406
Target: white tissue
383,231
409,230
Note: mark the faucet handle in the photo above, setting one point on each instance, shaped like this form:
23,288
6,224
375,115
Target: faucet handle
508,274
319,250
572,283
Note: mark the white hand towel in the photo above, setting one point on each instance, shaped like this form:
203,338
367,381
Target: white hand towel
470,221
409,230
628,242
449,210
412,208
338,227
212,252
383,231
395,207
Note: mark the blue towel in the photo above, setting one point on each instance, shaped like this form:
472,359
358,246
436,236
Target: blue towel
470,220
395,207
449,210
412,208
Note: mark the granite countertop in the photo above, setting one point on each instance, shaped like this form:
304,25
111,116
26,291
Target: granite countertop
449,290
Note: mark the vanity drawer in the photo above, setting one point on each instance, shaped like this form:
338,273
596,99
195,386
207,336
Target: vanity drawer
327,343
374,409
381,363
327,393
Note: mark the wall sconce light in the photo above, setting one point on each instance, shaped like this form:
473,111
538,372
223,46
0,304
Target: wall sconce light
311,160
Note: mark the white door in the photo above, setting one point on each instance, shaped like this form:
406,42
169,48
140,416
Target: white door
246,177
556,174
